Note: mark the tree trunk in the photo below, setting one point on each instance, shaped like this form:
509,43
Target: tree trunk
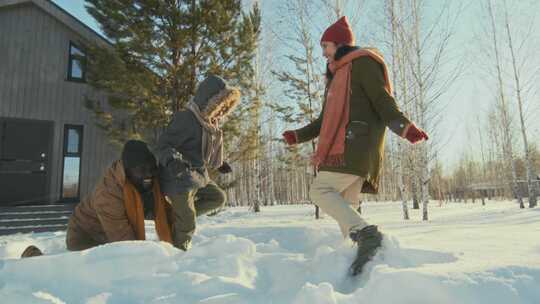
425,189
528,162
414,189
507,146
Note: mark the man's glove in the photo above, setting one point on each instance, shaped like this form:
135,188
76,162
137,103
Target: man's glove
225,168
415,134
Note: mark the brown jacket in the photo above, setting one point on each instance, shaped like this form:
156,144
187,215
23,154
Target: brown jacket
103,215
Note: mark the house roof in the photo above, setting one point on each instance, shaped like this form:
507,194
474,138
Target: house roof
61,15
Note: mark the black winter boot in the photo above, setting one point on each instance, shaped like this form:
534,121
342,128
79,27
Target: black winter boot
368,240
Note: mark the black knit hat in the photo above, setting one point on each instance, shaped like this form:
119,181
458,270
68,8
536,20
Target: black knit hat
136,153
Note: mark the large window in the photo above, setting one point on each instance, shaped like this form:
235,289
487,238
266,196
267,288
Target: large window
72,162
77,63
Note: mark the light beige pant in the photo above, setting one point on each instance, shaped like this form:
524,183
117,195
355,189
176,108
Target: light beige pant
336,194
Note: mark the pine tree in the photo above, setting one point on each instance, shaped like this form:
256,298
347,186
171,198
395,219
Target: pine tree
159,51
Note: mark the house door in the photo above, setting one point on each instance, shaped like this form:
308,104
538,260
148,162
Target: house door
25,154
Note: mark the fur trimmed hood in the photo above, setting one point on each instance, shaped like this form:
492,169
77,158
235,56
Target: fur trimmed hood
215,97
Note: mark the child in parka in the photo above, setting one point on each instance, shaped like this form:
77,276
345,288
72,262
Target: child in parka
190,145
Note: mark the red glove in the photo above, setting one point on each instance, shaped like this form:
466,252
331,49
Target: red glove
290,137
415,134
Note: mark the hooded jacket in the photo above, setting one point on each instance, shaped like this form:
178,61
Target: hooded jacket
107,215
182,139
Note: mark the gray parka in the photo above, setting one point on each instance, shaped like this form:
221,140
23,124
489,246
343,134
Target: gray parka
182,139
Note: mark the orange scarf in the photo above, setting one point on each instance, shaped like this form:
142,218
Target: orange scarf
135,212
331,147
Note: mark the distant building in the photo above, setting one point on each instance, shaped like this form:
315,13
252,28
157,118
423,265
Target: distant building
50,148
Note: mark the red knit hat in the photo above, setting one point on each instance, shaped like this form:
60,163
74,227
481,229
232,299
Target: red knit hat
339,32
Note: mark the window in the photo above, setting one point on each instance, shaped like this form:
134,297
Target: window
71,175
77,63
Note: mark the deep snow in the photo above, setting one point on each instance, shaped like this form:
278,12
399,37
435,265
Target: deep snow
466,253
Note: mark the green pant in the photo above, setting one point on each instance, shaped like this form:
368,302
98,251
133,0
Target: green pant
187,206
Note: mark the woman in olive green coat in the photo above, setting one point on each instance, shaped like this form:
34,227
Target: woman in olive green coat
358,108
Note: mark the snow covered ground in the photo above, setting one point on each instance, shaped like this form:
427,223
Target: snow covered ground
466,253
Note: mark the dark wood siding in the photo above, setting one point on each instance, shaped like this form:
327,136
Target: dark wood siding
34,49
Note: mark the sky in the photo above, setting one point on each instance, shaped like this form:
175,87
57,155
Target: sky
469,98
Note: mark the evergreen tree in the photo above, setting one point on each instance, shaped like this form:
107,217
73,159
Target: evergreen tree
160,50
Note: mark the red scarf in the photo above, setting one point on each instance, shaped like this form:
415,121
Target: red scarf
331,147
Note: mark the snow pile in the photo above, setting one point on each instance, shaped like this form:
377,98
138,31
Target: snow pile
466,254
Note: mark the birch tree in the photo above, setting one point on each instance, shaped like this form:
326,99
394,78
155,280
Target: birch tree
304,84
519,97
334,9
398,52
503,108
427,47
